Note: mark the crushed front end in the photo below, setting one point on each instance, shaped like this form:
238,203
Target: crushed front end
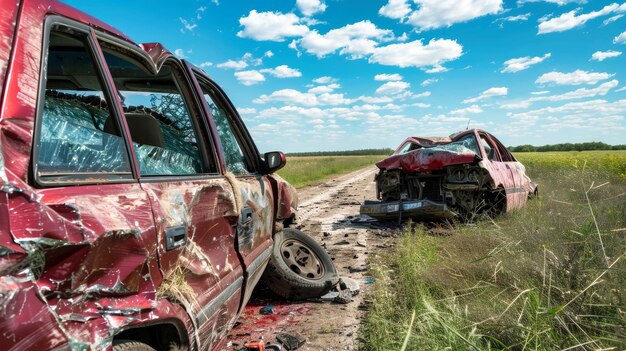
436,182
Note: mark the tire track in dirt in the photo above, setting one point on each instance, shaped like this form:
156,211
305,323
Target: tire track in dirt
326,213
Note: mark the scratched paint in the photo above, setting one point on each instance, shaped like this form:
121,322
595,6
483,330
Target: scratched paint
79,264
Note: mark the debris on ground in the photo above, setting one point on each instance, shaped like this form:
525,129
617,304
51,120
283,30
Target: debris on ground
267,310
290,342
350,285
369,281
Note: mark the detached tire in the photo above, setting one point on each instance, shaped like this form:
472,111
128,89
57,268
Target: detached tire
299,267
129,345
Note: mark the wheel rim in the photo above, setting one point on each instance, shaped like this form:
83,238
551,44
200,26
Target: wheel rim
301,260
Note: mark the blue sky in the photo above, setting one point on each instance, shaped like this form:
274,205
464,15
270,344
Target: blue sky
309,75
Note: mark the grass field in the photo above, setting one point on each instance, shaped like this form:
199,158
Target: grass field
551,276
302,171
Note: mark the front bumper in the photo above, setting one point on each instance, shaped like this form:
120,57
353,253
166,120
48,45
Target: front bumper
418,209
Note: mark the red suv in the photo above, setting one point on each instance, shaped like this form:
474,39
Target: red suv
135,209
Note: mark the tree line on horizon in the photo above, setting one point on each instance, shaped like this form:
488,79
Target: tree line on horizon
589,146
361,152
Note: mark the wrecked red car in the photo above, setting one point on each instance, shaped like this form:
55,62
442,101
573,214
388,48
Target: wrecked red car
465,174
135,210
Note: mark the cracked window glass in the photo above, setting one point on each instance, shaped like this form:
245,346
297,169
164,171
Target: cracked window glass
72,138
463,145
158,118
233,153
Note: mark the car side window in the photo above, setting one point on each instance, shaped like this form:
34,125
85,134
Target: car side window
489,149
73,140
233,152
159,118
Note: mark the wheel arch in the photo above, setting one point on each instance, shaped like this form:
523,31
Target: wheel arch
158,334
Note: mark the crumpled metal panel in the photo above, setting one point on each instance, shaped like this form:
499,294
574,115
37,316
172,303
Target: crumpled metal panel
428,159
7,26
77,264
287,198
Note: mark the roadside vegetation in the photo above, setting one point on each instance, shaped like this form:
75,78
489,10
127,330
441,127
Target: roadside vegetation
567,147
551,276
302,171
362,152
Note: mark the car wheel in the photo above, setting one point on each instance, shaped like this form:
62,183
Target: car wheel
129,345
299,267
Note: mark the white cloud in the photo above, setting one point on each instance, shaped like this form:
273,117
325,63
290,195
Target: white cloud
357,40
310,7
464,111
620,39
324,88
571,20
577,77
542,92
396,9
231,64
491,92
518,18
268,54
603,55
436,69
375,99
324,80
392,88
429,81
523,63
620,89
187,25
251,77
273,26
592,114
558,2
246,111
292,96
600,90
205,64
611,19
282,71
416,54
388,77
515,105
444,13
180,53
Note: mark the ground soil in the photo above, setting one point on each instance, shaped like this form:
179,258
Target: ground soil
329,212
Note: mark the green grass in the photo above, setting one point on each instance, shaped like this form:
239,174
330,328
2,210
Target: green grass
551,276
302,171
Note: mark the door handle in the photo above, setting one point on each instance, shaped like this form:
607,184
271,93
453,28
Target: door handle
175,237
246,215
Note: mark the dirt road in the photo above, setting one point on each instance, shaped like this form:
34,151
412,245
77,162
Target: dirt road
327,212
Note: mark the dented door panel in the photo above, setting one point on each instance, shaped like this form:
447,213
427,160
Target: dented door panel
197,272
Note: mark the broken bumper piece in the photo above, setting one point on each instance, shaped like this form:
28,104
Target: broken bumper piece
383,210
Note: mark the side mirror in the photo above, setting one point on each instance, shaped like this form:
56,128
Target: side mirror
274,161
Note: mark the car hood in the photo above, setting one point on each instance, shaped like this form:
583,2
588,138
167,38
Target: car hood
429,159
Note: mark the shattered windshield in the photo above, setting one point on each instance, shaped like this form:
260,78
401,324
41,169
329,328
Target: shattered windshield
463,145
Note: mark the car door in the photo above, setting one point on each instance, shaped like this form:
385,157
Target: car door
499,171
242,165
193,204
87,218
519,192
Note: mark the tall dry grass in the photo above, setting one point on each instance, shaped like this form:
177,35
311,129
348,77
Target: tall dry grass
306,170
548,277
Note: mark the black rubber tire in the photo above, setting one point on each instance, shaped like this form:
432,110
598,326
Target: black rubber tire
130,345
285,281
